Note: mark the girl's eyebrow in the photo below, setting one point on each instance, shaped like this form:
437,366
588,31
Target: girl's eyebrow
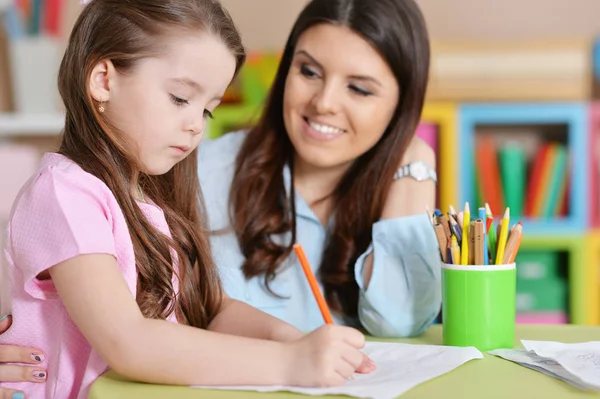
188,82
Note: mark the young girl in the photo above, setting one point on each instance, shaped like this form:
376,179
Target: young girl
329,165
109,258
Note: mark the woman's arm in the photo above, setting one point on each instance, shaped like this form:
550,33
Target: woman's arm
407,196
400,275
98,300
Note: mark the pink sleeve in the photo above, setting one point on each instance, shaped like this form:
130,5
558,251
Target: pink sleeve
64,213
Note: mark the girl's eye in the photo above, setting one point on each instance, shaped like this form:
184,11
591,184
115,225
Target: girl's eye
208,114
178,101
308,71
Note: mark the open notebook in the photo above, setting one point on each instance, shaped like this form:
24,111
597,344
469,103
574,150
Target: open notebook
400,367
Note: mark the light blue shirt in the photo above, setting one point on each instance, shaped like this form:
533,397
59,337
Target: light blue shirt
403,297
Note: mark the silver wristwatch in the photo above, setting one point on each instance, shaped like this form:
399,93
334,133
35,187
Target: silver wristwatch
419,171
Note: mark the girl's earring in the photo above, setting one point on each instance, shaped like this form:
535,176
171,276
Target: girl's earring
101,108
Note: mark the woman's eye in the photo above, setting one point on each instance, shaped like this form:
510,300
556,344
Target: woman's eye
360,91
308,71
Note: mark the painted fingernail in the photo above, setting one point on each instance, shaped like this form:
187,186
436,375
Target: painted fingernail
18,395
37,357
3,317
39,375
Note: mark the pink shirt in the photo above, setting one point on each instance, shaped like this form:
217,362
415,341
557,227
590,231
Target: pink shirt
60,213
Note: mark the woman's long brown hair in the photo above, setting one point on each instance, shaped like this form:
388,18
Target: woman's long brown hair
260,207
125,31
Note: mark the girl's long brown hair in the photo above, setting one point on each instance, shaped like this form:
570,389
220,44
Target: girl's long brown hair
259,205
125,31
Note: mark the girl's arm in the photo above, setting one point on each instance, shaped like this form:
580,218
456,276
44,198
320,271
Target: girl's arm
98,300
233,316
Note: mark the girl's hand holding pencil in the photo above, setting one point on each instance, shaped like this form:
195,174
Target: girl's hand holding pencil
331,354
464,241
328,356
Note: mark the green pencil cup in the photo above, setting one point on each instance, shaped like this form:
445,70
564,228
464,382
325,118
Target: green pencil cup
478,306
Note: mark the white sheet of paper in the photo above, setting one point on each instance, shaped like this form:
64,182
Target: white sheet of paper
578,364
580,359
542,364
400,367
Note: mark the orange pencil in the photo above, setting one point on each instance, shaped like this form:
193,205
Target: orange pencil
514,248
314,286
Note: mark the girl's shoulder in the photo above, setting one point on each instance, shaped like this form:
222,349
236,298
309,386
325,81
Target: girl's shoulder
66,175
59,179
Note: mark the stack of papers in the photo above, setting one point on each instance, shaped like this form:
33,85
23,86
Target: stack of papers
400,367
577,364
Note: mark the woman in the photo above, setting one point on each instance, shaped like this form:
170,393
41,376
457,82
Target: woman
324,167
319,168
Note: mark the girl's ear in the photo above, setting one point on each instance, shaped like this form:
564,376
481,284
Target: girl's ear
101,81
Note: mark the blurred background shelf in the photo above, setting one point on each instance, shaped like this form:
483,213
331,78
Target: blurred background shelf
527,70
532,157
14,125
561,274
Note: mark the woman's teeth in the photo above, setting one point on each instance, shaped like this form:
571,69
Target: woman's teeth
325,129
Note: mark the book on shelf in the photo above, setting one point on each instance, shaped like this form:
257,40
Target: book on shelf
535,188
488,173
512,161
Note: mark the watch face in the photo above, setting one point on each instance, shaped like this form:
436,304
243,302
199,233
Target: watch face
418,171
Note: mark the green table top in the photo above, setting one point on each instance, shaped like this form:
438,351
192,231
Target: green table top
491,377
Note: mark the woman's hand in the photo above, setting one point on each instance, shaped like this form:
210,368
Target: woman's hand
13,373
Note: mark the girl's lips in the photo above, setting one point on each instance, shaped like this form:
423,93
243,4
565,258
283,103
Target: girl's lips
182,148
